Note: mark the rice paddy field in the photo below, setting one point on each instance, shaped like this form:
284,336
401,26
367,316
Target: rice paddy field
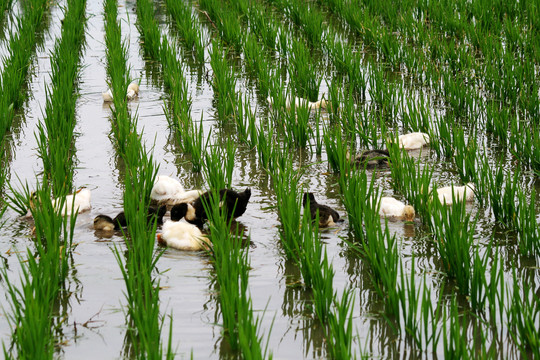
228,98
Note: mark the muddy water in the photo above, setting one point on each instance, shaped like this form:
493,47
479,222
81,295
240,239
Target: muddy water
96,325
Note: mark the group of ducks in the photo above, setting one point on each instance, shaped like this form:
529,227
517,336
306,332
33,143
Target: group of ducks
168,194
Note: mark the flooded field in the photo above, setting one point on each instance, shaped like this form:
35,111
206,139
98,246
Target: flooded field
442,319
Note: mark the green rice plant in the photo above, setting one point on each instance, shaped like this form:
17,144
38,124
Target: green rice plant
411,178
416,115
361,199
266,147
336,150
286,182
528,229
297,128
524,316
303,73
455,340
231,265
142,289
55,138
148,28
502,193
223,82
454,230
219,165
245,121
478,283
465,156
265,27
195,144
417,310
188,27
16,63
34,313
340,327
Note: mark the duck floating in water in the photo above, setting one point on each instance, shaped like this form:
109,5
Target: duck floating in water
320,104
132,93
327,215
373,158
393,208
461,193
79,201
183,236
169,191
104,222
413,141
230,199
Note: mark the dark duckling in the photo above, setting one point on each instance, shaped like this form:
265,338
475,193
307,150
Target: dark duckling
373,158
104,222
327,215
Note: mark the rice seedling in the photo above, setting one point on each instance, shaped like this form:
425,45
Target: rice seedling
297,128
266,147
286,184
56,134
454,334
188,27
231,265
16,64
219,165
223,82
528,229
147,25
34,314
502,193
336,150
417,310
411,178
453,231
524,315
302,72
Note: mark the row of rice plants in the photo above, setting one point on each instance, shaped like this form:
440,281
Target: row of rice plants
16,64
188,27
178,105
142,287
55,134
35,318
236,308
230,260
302,245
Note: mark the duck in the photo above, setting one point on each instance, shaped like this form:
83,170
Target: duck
413,141
465,192
373,158
393,208
169,191
181,235
132,93
79,201
327,215
105,222
196,214
319,104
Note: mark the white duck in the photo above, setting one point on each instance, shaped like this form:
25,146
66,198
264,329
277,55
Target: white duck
80,201
132,92
393,208
320,104
169,191
413,141
461,193
183,236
